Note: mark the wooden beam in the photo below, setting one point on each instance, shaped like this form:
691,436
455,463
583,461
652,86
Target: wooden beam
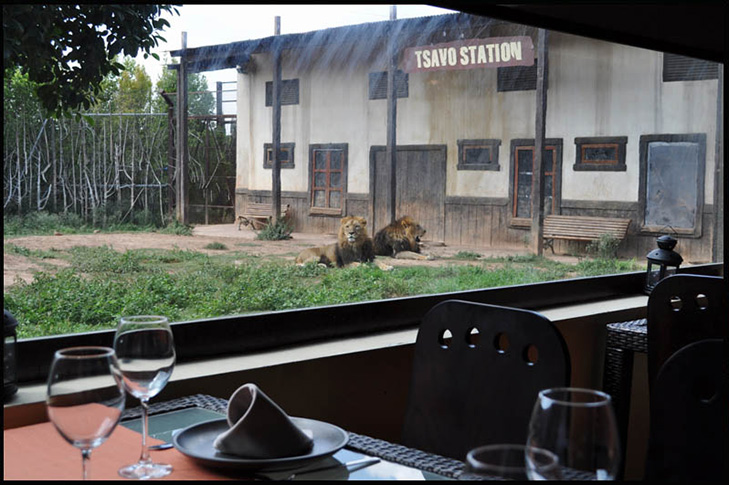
181,175
276,129
537,231
391,150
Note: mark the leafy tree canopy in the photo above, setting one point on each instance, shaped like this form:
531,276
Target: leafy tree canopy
68,50
200,100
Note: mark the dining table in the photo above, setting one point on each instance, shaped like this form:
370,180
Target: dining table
38,452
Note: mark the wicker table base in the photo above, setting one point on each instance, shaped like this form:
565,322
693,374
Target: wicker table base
624,339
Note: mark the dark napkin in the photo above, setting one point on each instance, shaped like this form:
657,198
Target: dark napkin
259,428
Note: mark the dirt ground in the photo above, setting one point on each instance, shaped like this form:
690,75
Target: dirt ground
228,234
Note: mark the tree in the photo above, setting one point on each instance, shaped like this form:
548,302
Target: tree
68,50
135,89
200,100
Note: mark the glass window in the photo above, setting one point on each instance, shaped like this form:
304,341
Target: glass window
605,154
522,179
642,148
285,155
478,154
328,176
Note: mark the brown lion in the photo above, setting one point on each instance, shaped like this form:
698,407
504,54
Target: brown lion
400,239
353,245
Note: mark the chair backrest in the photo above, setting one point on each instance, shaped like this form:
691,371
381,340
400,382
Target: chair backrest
689,415
479,386
684,308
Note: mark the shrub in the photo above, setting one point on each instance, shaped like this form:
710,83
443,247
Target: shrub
275,231
606,247
216,245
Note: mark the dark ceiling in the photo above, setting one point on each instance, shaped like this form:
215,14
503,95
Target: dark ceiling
691,29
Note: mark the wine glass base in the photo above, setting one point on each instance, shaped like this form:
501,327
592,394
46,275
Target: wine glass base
144,471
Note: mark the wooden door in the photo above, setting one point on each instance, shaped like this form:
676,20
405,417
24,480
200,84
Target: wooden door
421,174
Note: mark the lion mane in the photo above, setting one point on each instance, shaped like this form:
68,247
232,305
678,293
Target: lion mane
353,245
402,235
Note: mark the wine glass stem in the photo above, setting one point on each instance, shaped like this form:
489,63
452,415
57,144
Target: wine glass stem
85,456
145,451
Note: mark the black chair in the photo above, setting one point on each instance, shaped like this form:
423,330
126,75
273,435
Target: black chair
689,415
684,308
477,371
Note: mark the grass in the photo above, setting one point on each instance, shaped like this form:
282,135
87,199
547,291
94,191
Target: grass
102,284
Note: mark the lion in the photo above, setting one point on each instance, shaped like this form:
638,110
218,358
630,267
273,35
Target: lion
353,246
400,239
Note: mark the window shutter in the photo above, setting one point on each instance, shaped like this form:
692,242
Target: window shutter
378,85
517,78
681,68
289,92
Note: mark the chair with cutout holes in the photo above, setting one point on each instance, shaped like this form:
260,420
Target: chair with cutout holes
684,308
689,415
476,374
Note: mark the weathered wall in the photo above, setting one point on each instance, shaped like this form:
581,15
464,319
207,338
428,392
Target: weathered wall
595,89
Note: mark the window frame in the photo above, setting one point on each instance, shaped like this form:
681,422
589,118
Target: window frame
328,211
492,144
288,97
285,147
239,334
645,141
526,143
618,165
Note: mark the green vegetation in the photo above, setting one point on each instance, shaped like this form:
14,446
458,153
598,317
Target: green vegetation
605,247
466,255
275,231
45,224
216,245
102,284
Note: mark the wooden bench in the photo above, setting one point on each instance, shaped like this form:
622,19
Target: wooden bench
581,228
257,215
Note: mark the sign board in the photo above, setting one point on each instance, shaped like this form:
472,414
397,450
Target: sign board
470,54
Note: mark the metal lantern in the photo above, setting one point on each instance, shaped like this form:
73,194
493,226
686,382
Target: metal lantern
662,262
10,379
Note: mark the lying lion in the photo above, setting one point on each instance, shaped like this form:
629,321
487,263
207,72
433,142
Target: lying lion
353,246
400,239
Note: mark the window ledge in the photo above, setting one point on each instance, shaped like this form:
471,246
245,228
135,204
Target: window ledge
618,309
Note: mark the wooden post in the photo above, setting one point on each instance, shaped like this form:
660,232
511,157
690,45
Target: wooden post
718,244
219,105
540,131
182,175
276,131
170,157
391,150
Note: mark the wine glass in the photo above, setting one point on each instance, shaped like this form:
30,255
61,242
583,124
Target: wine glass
577,425
85,397
146,355
509,461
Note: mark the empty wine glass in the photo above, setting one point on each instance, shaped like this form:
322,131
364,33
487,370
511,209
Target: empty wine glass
510,462
146,354
577,425
85,397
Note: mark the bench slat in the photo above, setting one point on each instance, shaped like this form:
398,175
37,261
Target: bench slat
583,228
257,214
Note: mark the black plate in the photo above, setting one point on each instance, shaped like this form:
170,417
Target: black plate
196,441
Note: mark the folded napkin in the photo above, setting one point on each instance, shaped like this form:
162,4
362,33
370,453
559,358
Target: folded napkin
259,428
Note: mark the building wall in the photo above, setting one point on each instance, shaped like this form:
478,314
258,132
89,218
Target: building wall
595,89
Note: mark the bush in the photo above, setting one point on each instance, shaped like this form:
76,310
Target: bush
275,231
606,247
